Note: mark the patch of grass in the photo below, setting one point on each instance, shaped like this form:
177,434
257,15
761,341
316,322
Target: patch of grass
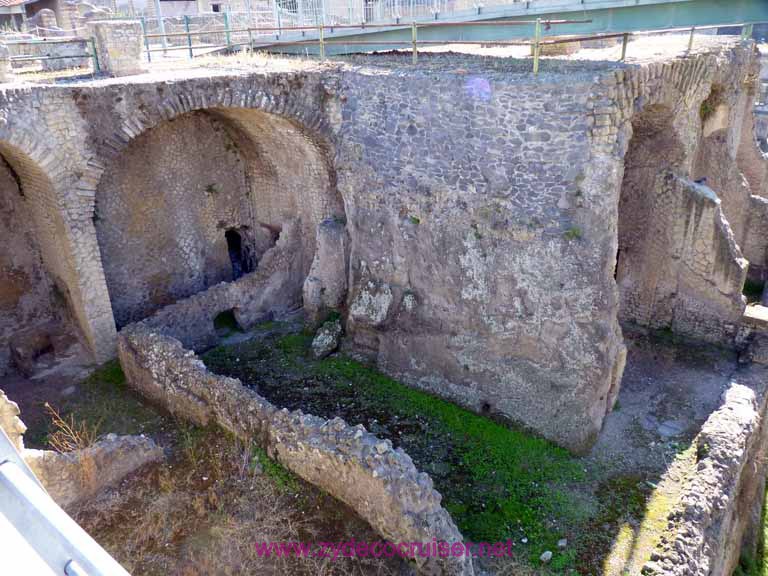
504,481
621,498
104,403
498,482
414,220
284,479
226,323
573,233
709,106
294,344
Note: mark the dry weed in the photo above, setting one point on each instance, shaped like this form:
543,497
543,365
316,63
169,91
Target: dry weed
70,435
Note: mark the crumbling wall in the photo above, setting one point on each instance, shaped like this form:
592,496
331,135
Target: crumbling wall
685,273
162,229
72,477
721,501
379,482
274,288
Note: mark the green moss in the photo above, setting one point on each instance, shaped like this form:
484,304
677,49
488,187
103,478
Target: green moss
509,478
284,479
497,481
294,344
226,323
709,106
573,233
415,220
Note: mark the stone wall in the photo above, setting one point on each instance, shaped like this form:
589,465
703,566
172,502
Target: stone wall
722,499
162,230
482,205
679,267
27,294
73,477
379,482
118,46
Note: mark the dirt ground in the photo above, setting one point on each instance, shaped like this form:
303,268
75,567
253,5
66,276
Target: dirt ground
203,510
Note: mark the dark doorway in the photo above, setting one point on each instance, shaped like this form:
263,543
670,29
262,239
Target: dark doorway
238,254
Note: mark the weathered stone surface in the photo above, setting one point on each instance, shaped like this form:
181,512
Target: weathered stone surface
326,285
379,482
719,499
26,347
327,339
118,45
10,421
73,477
482,223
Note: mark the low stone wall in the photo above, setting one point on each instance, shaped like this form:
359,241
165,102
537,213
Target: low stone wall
721,503
275,286
73,477
381,483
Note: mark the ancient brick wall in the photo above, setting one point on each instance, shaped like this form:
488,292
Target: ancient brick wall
482,205
26,291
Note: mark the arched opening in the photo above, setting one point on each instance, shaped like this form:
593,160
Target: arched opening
653,152
201,199
240,264
35,301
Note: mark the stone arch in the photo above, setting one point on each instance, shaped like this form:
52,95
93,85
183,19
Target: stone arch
654,151
170,196
60,217
40,298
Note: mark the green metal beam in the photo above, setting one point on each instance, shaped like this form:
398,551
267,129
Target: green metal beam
607,16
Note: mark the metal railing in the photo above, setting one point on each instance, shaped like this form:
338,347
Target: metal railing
45,534
538,42
91,55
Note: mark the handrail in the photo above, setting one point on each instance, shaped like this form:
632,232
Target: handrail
363,27
321,41
52,535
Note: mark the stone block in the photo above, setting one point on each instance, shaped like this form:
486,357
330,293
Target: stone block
118,46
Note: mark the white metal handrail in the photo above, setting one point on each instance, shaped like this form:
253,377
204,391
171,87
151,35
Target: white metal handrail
52,536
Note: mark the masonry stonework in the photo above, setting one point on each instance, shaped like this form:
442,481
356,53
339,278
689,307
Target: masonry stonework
479,210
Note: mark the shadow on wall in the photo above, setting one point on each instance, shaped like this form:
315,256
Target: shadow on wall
653,150
35,309
679,266
200,199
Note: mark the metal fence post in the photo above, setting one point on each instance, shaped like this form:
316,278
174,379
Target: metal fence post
536,46
96,66
146,40
322,42
624,43
413,40
189,37
227,32
690,38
